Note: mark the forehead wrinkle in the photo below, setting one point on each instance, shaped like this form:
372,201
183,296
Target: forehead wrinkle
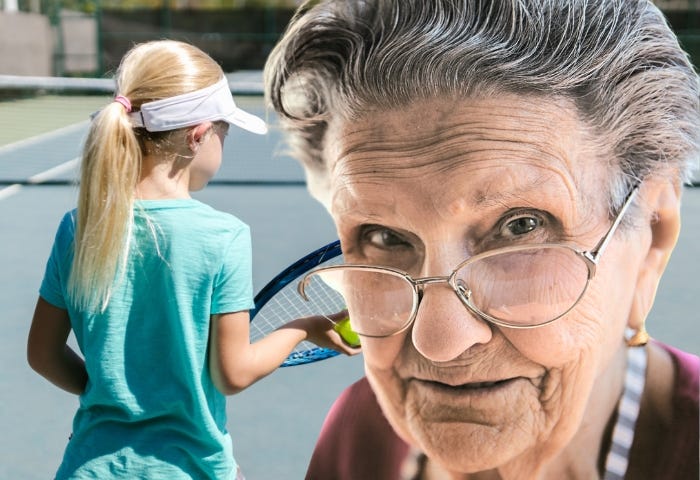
518,193
440,160
349,206
373,152
388,145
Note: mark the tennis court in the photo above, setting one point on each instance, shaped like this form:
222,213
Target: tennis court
275,422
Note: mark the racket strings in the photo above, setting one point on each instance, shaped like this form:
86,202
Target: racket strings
286,304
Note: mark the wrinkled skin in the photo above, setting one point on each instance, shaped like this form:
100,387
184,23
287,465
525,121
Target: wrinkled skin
422,188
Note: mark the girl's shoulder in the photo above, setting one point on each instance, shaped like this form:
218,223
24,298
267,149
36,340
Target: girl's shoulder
219,218
188,220
66,227
185,210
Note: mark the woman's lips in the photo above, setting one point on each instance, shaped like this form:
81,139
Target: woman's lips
471,386
473,394
482,402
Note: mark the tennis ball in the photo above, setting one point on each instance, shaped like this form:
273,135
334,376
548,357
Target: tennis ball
345,331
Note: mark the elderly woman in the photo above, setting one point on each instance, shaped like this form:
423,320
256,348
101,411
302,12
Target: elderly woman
505,180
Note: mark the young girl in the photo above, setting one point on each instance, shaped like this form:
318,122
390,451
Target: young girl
156,285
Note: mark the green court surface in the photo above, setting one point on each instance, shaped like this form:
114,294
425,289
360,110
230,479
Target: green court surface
24,118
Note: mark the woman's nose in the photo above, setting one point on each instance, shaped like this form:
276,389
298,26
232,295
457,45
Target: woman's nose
444,328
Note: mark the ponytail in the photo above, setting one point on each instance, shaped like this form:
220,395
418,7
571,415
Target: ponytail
110,170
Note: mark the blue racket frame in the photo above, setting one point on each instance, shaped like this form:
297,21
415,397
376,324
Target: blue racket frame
284,278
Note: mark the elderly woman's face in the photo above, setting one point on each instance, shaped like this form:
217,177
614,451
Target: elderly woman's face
425,187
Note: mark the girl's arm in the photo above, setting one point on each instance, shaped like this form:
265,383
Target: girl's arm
47,351
235,363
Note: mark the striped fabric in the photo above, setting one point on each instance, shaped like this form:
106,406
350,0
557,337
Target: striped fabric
627,411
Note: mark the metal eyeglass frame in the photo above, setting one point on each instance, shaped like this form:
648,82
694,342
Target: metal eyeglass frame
590,258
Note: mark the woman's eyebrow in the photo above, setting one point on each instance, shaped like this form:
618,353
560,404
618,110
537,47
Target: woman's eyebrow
485,198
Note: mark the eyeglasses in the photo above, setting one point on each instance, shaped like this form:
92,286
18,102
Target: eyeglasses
524,286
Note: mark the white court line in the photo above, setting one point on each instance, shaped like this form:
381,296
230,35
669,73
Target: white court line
9,191
44,136
47,174
40,177
54,171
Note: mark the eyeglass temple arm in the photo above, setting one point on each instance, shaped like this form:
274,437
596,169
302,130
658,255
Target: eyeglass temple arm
301,287
594,254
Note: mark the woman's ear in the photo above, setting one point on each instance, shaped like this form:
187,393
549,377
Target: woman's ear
660,201
197,135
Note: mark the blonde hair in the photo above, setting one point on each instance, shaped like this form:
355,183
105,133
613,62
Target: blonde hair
112,159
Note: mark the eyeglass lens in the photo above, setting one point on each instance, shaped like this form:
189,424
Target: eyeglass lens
520,288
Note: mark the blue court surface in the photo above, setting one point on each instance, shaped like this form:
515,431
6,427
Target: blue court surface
275,422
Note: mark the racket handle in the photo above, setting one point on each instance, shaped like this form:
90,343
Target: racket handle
347,333
308,356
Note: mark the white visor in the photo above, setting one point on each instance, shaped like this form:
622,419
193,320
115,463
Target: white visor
212,103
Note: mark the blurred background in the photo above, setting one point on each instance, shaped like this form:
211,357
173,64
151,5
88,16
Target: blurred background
88,37
56,62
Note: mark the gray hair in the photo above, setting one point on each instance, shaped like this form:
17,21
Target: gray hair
616,60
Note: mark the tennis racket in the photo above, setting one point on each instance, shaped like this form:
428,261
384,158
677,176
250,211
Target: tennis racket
279,301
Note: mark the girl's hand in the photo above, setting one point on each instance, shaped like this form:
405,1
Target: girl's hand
235,363
320,331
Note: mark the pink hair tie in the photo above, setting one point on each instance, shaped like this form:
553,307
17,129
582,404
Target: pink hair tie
124,102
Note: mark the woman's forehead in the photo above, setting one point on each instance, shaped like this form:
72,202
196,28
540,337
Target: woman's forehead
529,138
539,122
449,176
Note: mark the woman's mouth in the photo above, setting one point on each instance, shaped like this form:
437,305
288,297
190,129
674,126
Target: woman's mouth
470,386
471,402
469,390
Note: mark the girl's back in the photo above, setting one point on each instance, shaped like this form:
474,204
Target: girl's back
146,353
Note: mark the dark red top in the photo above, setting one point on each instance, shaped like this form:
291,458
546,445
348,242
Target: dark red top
357,443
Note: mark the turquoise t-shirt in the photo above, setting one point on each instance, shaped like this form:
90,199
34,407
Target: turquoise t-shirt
150,409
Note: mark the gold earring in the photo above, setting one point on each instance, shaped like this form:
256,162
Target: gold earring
640,337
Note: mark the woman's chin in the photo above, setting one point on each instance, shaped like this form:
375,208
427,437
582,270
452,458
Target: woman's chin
473,429
467,448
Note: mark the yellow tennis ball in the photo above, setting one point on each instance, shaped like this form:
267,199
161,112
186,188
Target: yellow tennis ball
345,331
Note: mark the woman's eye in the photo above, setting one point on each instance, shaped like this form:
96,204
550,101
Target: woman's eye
383,246
384,238
521,225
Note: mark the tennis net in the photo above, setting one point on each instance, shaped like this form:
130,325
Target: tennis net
44,120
